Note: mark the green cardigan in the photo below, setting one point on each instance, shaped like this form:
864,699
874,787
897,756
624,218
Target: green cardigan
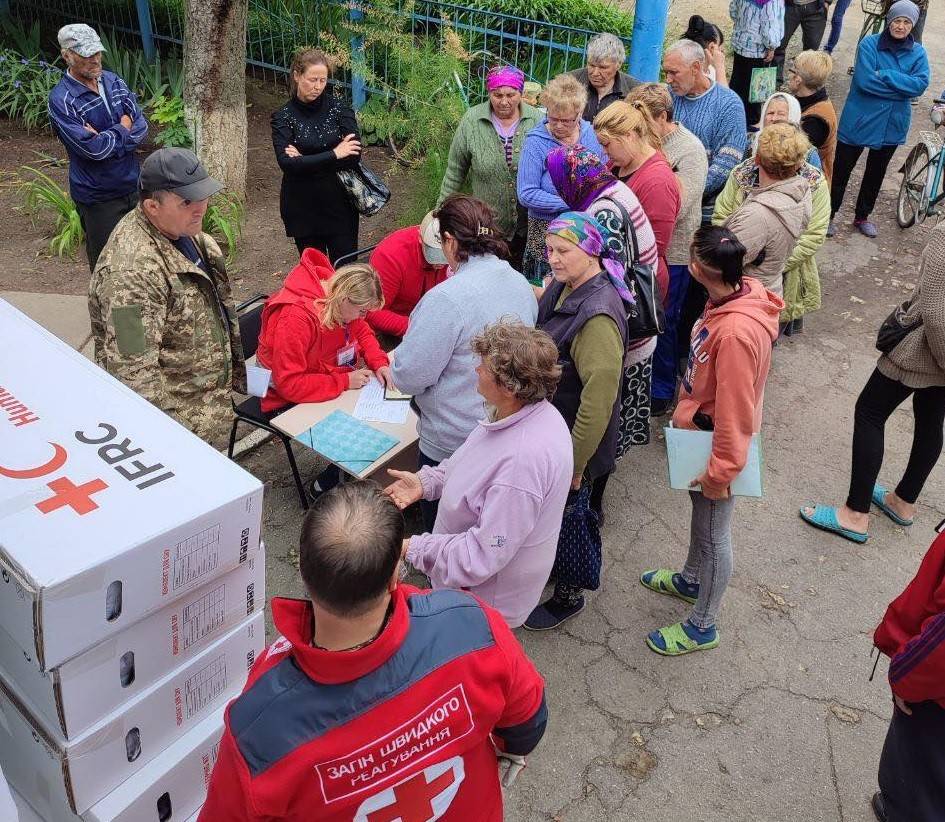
801,277
477,152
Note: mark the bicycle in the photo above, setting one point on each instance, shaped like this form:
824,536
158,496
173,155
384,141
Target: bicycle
874,15
922,175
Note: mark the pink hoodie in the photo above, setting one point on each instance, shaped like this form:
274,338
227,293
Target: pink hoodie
501,496
725,379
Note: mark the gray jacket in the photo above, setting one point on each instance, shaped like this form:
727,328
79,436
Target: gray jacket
435,363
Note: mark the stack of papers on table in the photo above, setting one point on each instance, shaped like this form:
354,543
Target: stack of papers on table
688,454
350,443
373,405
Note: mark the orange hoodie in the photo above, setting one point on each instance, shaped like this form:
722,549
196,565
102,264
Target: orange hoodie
729,360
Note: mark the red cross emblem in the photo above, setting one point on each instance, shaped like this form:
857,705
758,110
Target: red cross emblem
423,797
77,497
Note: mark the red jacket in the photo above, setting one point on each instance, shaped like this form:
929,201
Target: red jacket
301,353
912,633
394,732
405,277
729,359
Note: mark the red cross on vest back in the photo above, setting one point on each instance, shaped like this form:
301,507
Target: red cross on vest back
77,497
413,799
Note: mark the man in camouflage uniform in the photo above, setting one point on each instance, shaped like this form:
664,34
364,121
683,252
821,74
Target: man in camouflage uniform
162,313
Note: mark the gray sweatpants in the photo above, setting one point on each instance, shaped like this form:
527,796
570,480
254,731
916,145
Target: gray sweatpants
710,555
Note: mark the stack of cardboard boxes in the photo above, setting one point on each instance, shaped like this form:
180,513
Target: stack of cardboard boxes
132,586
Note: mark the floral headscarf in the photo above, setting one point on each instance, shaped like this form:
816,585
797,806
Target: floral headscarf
578,174
505,76
586,233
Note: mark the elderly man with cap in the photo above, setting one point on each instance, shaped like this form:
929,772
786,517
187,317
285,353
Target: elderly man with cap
410,262
162,314
97,118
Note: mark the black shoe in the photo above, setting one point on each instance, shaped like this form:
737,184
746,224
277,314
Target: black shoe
879,807
551,614
659,407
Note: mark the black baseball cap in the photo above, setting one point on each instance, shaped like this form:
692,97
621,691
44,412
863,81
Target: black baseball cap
177,170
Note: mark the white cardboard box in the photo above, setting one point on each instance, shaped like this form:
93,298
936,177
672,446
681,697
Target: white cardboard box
110,509
172,786
56,776
99,681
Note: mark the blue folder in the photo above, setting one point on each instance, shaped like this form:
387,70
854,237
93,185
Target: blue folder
347,441
688,454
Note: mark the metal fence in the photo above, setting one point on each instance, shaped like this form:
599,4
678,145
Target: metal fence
275,28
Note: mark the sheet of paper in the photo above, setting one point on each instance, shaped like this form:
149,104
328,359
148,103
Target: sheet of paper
372,406
688,455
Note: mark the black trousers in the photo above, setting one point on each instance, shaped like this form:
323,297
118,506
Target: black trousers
912,765
428,508
740,83
812,19
334,245
846,158
879,398
99,219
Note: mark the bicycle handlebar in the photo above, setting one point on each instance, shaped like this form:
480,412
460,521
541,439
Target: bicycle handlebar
939,102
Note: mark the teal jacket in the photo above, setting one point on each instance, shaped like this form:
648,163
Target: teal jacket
477,153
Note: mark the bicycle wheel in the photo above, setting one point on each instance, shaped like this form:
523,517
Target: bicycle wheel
912,205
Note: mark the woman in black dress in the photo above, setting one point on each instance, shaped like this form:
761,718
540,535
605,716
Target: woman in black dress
315,135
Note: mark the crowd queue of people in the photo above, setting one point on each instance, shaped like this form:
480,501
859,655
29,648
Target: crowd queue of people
519,321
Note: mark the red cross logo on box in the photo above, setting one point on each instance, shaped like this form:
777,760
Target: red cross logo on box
423,797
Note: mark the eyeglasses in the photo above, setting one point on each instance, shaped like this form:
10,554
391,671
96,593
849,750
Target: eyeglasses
562,121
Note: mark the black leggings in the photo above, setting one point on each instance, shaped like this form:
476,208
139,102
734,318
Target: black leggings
847,156
879,398
334,245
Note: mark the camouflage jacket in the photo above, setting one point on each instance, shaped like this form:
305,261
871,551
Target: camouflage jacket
167,329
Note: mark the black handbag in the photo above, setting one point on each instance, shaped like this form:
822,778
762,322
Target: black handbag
366,190
579,556
645,318
893,331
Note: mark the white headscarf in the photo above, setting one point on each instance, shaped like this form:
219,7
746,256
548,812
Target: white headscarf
793,113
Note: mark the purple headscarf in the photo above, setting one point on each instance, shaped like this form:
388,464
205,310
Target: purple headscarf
505,76
586,233
578,174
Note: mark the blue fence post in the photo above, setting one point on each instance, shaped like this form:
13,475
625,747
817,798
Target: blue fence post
147,35
358,95
649,31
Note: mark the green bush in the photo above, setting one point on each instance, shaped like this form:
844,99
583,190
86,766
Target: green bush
593,15
24,88
168,113
41,193
224,219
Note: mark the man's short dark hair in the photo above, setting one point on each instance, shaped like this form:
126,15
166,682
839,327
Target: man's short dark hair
144,194
352,539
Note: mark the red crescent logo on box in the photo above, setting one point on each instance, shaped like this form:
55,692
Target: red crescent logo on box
423,797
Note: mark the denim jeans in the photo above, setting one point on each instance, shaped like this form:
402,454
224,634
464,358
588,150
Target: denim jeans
710,559
836,25
668,352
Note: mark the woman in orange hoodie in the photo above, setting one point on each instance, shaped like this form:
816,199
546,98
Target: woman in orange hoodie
314,338
723,392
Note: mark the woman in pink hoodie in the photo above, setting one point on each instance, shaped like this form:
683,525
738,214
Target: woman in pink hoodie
723,392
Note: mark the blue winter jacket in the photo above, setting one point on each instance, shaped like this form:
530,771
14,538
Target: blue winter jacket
878,109
102,166
535,190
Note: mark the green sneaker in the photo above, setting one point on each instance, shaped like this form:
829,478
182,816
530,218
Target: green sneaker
676,640
664,581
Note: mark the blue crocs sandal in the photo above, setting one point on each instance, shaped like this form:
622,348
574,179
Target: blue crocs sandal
879,500
825,518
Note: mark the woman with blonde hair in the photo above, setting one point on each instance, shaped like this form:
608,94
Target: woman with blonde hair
564,98
503,492
313,336
687,159
776,210
629,135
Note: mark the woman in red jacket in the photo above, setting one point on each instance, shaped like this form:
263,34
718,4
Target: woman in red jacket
314,338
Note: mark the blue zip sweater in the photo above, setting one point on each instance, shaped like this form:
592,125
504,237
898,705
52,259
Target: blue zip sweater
535,190
102,166
878,111
717,118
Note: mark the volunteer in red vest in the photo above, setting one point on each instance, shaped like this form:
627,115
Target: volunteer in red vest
912,635
379,702
722,391
314,338
409,261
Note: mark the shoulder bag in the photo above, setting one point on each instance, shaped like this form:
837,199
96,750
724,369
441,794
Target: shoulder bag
366,190
893,330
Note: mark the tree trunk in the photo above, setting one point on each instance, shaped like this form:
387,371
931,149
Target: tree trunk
215,87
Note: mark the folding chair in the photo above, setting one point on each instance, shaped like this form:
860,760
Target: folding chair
249,315
354,256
